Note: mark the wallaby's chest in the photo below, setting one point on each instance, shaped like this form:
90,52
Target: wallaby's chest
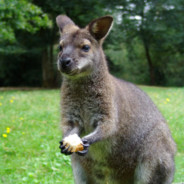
89,110
85,107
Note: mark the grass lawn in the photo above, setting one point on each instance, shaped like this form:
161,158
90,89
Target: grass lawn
30,132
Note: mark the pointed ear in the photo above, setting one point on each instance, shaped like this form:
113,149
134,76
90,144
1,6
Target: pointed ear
62,21
99,28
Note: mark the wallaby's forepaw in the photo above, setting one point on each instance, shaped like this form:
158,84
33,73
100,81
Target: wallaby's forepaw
74,144
85,150
71,144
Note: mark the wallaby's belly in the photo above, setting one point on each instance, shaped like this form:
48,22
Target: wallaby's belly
105,165
101,172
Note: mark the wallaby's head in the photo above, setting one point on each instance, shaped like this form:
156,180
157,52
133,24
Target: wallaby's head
80,49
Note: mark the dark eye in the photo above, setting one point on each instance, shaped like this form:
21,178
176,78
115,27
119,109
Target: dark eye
60,47
85,48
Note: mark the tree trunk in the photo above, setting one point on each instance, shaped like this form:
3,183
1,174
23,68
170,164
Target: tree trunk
150,64
48,74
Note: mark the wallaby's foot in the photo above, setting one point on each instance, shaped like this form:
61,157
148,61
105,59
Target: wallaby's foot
84,152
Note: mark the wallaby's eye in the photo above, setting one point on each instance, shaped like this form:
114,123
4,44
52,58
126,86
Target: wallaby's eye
85,48
60,47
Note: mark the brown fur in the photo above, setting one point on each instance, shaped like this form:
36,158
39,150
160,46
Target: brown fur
130,142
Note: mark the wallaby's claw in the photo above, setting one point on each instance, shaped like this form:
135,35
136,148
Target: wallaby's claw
82,153
85,151
64,150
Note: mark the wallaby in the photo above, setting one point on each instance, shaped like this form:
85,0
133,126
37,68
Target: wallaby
124,136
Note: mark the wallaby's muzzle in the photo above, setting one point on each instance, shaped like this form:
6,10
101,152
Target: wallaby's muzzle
65,64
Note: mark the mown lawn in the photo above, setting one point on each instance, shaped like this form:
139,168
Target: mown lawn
30,132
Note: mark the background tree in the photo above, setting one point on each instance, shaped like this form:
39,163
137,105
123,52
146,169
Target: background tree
151,32
18,17
145,45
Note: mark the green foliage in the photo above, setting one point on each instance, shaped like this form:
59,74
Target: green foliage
20,15
30,154
145,46
132,67
152,31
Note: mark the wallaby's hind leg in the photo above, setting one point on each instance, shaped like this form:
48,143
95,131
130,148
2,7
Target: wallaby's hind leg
80,175
154,171
78,171
162,175
143,172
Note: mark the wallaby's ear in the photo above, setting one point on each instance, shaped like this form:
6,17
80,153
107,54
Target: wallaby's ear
99,28
62,21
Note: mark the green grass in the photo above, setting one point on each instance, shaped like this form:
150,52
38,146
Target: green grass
30,153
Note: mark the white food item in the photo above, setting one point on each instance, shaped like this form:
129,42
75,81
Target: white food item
74,142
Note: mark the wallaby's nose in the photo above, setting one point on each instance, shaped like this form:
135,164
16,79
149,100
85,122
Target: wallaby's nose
65,62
